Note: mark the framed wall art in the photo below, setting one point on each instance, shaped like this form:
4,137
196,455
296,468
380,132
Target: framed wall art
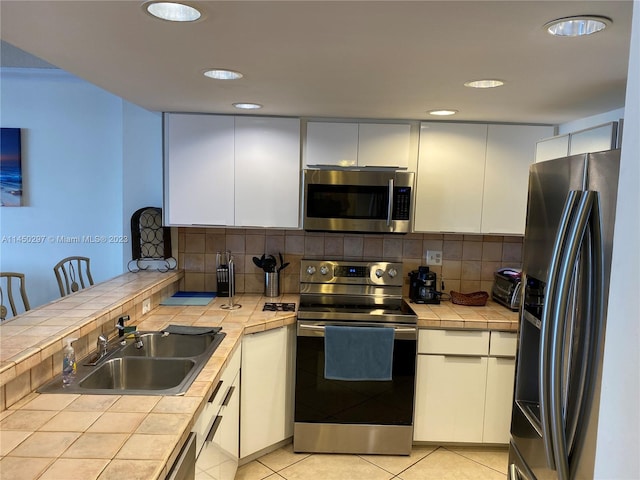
10,168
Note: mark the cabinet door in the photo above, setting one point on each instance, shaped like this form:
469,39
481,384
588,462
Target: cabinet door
199,169
263,398
596,139
229,432
331,143
450,177
450,398
500,383
383,145
550,148
267,167
510,151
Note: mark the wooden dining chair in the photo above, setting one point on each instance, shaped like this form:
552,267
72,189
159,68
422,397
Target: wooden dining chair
73,274
8,282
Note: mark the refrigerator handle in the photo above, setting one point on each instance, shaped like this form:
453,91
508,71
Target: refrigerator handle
546,327
559,311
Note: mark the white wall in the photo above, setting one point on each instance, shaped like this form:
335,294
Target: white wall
142,164
619,422
73,148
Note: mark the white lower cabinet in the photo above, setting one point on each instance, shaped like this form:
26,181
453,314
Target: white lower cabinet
464,386
217,427
266,400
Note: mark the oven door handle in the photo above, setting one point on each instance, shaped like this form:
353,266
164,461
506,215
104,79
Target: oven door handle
400,333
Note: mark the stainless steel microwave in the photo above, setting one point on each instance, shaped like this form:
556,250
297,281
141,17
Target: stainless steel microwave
358,201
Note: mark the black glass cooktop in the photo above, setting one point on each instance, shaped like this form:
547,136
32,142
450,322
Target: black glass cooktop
279,307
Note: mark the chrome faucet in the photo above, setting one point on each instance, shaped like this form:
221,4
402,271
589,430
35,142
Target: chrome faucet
101,346
137,340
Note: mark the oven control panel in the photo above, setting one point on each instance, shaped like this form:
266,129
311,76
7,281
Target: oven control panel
351,272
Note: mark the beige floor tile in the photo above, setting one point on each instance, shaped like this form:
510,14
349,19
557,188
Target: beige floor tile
445,465
334,467
86,469
117,422
96,445
45,444
398,463
492,457
253,471
282,458
10,439
132,470
14,468
70,422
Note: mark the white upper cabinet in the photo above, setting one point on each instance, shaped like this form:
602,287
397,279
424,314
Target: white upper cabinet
343,144
595,139
472,178
232,171
199,168
383,145
511,150
333,144
553,147
450,177
267,163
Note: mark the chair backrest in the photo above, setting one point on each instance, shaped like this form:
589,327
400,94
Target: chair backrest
8,282
73,274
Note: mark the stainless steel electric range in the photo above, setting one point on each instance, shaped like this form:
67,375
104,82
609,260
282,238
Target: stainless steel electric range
354,392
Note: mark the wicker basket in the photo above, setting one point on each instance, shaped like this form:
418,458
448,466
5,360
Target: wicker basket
474,299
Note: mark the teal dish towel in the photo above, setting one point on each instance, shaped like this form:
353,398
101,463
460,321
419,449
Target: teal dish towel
358,353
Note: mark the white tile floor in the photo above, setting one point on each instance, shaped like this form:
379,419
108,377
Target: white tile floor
424,463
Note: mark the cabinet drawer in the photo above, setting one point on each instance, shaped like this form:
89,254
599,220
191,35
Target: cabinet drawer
503,344
453,342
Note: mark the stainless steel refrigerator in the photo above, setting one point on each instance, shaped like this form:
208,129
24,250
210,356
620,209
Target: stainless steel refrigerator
566,269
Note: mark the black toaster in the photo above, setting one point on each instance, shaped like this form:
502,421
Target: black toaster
506,287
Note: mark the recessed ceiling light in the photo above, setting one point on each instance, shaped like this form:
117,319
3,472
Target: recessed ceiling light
173,11
442,112
577,26
484,83
247,106
221,74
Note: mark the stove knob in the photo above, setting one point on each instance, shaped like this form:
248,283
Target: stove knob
379,273
392,272
311,270
324,269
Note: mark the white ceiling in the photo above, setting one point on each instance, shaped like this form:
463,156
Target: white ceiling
354,59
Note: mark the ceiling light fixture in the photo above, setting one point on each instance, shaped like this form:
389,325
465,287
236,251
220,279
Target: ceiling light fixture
489,83
222,74
173,11
442,112
577,26
247,106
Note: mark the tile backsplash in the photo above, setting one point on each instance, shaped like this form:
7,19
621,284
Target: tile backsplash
468,261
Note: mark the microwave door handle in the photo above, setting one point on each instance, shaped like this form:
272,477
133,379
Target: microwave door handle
390,203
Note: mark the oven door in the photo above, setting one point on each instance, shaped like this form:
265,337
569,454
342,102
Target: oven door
338,416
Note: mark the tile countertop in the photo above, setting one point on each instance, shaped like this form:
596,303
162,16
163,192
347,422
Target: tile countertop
104,437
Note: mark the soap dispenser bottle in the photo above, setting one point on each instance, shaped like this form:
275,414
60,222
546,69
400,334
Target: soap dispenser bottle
68,363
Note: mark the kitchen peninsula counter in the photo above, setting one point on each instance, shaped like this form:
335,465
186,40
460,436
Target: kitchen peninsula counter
48,436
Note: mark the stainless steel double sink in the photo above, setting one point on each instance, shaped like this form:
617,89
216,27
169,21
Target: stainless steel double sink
167,364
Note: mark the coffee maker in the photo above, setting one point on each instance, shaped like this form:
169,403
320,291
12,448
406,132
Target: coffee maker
422,286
